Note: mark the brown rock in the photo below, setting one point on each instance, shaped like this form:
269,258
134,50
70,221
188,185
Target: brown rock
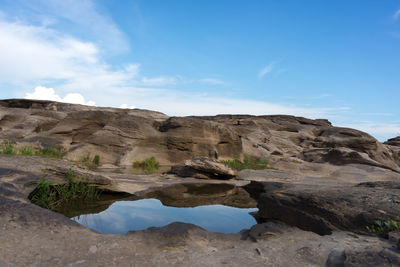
122,136
204,168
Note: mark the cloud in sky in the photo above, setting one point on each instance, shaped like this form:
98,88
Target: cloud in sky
43,93
213,81
381,131
267,69
396,15
125,106
83,18
159,81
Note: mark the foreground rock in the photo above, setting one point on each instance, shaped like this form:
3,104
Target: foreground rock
204,168
30,235
322,208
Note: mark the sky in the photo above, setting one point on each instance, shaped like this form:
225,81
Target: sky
338,60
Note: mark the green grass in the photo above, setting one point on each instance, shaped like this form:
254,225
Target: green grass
382,228
8,147
26,151
51,196
247,163
96,160
148,165
51,152
88,162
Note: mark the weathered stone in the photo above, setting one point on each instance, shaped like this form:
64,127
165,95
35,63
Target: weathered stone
394,237
322,208
204,168
327,180
393,141
122,136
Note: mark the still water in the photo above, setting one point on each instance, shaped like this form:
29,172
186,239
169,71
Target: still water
124,216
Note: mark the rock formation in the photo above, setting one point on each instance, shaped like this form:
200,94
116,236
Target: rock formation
121,136
325,186
204,168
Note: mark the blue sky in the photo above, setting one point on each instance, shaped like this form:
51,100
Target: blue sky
338,60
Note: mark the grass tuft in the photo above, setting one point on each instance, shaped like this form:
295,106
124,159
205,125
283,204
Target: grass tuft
8,147
148,165
247,163
50,196
26,151
382,228
96,160
51,152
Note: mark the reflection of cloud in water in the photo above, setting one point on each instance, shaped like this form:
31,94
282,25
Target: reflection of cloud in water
124,216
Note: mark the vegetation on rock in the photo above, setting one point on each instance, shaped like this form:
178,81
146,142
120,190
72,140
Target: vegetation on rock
8,147
51,196
96,160
382,228
148,165
247,163
87,161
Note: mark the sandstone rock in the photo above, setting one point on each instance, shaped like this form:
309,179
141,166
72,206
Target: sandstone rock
122,136
394,237
393,141
322,208
204,168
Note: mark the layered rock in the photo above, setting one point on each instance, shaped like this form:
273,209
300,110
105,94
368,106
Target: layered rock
121,136
204,168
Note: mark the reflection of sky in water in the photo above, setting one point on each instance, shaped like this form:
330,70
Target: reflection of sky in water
124,216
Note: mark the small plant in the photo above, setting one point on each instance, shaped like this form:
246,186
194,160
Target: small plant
26,151
43,195
232,143
51,152
8,147
51,196
148,165
96,160
382,228
247,163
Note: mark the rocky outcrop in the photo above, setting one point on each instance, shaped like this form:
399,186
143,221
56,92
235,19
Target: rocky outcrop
326,199
393,141
323,208
204,168
122,136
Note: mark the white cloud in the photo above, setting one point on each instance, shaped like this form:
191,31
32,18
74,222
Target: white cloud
82,17
125,106
178,104
267,69
159,81
213,81
379,128
43,93
381,131
396,15
36,54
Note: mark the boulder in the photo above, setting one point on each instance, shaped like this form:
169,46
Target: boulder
323,208
204,168
393,141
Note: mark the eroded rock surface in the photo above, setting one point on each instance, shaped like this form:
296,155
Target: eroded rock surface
121,136
324,208
327,184
204,168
